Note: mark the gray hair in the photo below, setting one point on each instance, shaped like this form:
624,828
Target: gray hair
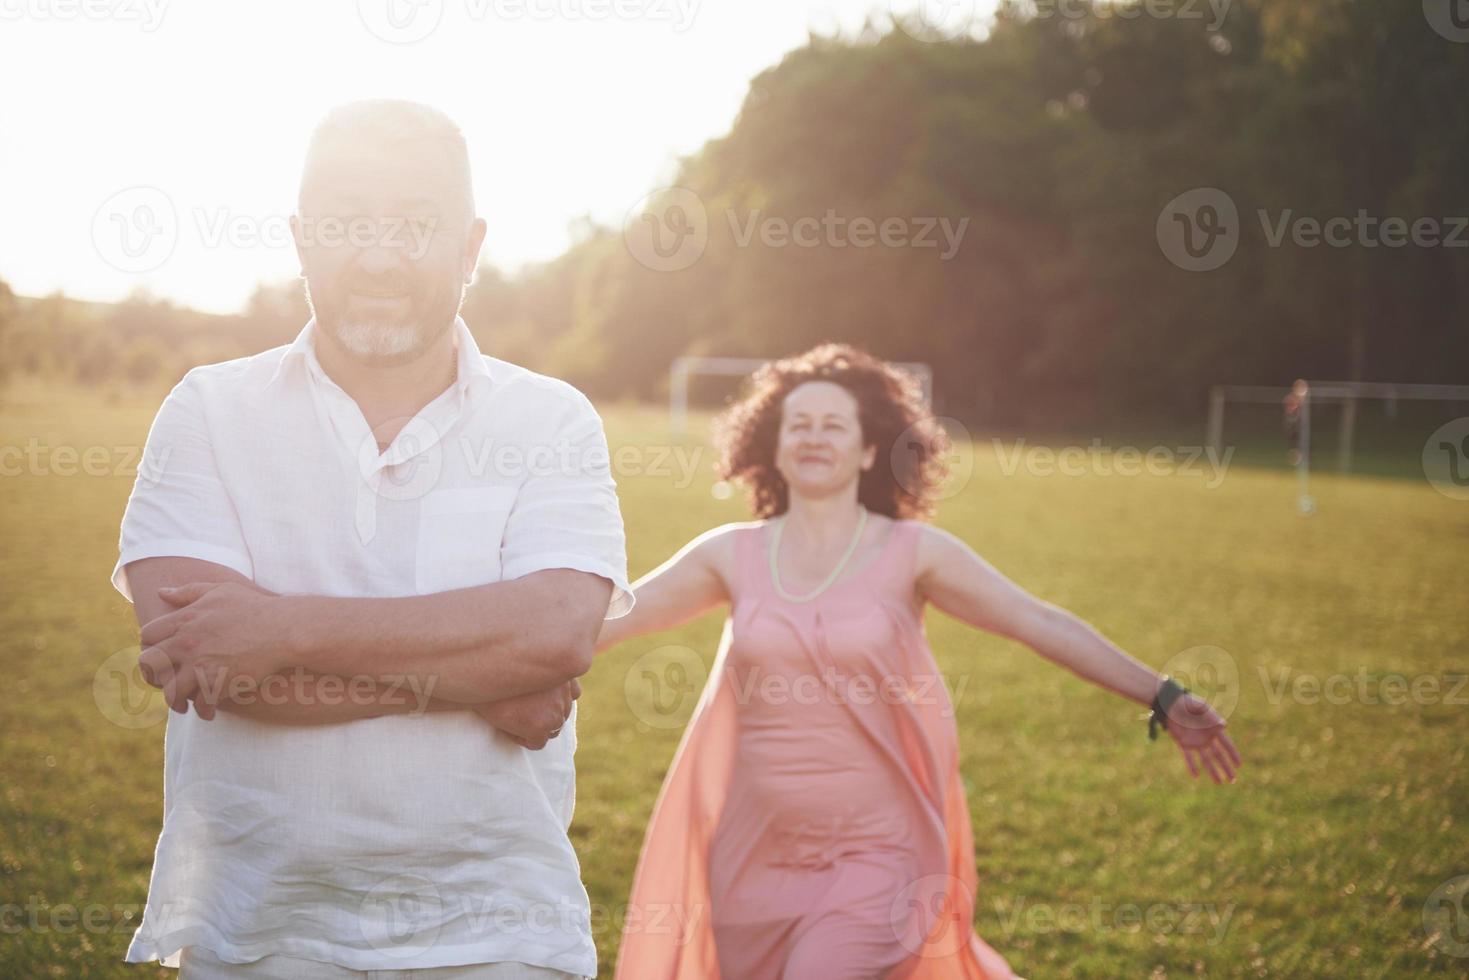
383,123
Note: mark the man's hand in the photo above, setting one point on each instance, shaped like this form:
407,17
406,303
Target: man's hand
532,720
221,636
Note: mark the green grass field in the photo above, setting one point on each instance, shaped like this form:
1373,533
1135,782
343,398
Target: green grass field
1098,855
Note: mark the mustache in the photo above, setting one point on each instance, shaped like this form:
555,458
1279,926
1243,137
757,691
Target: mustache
395,284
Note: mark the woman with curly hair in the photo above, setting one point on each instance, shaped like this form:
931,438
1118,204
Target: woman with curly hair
813,824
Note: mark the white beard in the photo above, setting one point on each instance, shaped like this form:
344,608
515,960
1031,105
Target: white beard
377,340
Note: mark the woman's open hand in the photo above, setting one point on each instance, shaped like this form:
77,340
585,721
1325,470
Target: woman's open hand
1199,731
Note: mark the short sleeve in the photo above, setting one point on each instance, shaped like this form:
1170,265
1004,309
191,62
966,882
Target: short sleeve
566,514
179,506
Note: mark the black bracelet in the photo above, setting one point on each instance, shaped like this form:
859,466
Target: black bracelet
1168,692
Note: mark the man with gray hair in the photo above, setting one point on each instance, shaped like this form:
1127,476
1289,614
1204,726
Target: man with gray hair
373,562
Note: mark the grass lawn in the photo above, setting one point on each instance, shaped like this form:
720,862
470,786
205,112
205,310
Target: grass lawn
1336,642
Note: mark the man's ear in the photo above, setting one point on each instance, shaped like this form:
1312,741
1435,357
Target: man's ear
298,237
477,231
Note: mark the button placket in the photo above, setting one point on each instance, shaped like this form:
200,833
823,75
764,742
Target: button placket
353,433
365,519
422,436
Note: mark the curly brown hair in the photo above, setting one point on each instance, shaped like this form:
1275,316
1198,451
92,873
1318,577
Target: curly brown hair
889,406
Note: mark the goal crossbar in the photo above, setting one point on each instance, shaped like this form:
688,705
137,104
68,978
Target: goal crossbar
1346,393
687,366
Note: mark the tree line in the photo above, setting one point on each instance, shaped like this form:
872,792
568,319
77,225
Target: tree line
1081,216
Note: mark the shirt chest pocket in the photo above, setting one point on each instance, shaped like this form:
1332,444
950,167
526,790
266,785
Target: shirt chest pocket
459,536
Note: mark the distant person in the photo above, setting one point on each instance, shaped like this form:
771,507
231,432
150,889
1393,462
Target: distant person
378,616
813,823
1293,420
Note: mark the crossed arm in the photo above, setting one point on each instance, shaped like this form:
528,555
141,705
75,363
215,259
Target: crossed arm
510,650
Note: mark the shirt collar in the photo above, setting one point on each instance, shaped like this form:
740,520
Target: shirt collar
472,369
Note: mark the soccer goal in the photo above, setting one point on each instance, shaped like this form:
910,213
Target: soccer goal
1296,401
686,367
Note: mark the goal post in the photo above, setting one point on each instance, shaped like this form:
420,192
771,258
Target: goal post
1305,393
686,367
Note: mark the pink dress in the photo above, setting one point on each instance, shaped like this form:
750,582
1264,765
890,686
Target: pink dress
813,823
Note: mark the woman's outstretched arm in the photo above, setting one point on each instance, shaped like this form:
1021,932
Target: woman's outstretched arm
685,586
964,585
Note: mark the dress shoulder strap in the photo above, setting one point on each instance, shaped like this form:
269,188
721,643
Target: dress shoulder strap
747,559
900,555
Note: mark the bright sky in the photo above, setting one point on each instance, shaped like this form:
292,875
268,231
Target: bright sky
158,143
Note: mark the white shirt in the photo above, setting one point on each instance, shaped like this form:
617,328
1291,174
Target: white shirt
399,842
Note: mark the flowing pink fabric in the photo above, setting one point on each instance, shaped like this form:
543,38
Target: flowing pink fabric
813,823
